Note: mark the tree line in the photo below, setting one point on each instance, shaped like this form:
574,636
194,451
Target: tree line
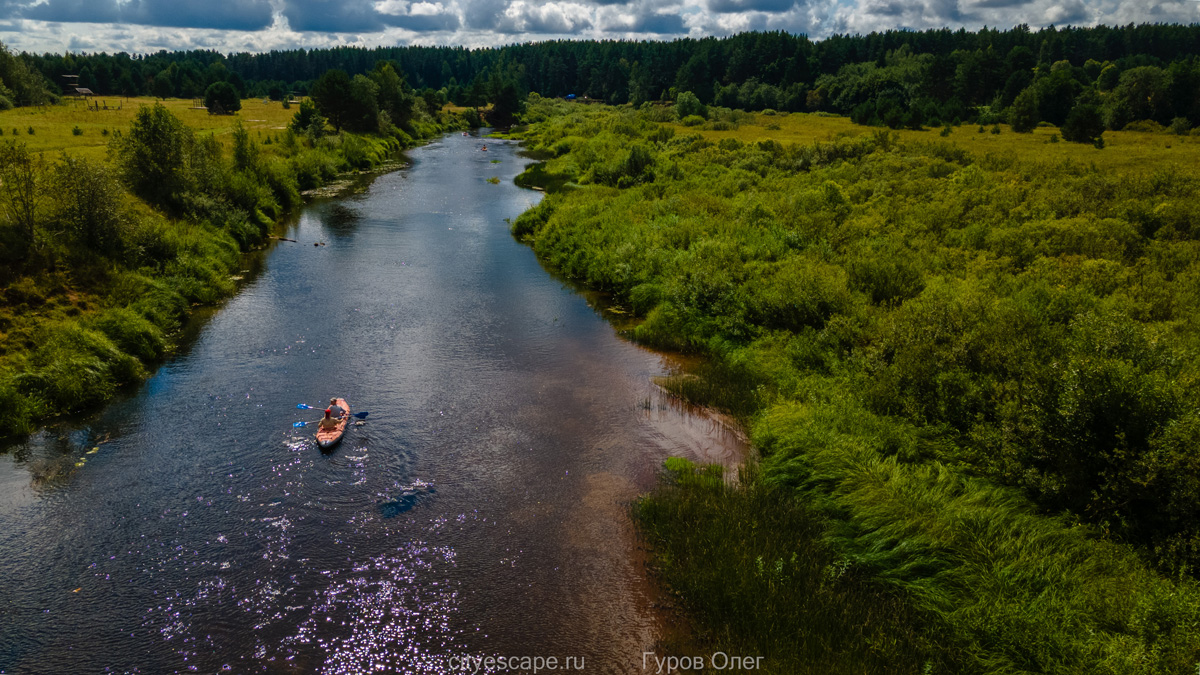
1109,76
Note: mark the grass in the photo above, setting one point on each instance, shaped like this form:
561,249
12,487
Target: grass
1126,151
752,569
52,125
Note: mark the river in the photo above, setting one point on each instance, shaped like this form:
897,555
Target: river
481,509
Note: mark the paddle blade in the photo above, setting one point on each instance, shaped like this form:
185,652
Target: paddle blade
362,415
299,424
302,406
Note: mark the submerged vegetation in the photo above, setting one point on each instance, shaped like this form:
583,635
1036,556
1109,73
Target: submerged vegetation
101,259
972,373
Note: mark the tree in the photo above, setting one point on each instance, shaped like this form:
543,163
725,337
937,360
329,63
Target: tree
362,110
507,103
164,88
393,95
639,84
687,103
152,155
332,95
125,85
22,189
1056,95
1023,116
28,86
1083,124
308,120
222,99
89,204
245,150
1143,93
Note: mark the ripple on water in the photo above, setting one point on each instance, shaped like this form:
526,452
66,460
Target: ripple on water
391,613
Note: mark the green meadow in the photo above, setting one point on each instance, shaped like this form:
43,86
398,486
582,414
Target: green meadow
53,125
967,360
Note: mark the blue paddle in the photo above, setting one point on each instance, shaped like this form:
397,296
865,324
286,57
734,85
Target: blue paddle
359,415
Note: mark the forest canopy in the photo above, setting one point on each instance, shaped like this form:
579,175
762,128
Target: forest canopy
1116,74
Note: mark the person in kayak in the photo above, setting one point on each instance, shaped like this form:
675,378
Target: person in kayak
328,421
334,409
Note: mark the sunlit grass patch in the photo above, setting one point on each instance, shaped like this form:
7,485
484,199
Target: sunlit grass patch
53,124
1124,150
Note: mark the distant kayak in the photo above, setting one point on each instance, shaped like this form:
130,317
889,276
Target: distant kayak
327,438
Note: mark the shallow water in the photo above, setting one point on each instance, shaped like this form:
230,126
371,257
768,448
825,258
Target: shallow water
480,510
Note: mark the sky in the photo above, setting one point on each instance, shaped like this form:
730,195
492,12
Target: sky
141,26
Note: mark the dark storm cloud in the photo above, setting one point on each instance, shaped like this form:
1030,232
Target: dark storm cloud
894,8
218,14
661,24
1000,4
1068,12
735,6
333,16
424,22
485,14
93,11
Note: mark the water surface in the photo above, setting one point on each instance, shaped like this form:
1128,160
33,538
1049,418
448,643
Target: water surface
481,509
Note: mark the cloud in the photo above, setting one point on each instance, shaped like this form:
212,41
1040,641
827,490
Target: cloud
140,26
333,16
418,16
1068,12
221,14
1000,4
732,6
660,24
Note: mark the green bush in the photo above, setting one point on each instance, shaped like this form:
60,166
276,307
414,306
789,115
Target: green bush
221,98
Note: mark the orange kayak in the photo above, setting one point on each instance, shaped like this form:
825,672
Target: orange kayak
327,438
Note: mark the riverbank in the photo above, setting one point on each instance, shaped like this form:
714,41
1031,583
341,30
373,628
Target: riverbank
969,376
113,255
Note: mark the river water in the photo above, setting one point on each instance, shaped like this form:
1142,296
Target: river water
480,510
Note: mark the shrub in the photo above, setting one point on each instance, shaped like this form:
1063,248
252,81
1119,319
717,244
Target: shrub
687,105
1083,124
221,98
90,205
152,155
76,131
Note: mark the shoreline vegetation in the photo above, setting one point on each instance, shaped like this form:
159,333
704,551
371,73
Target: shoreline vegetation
105,255
968,364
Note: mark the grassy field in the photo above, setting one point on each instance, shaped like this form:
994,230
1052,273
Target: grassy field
52,125
1123,151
